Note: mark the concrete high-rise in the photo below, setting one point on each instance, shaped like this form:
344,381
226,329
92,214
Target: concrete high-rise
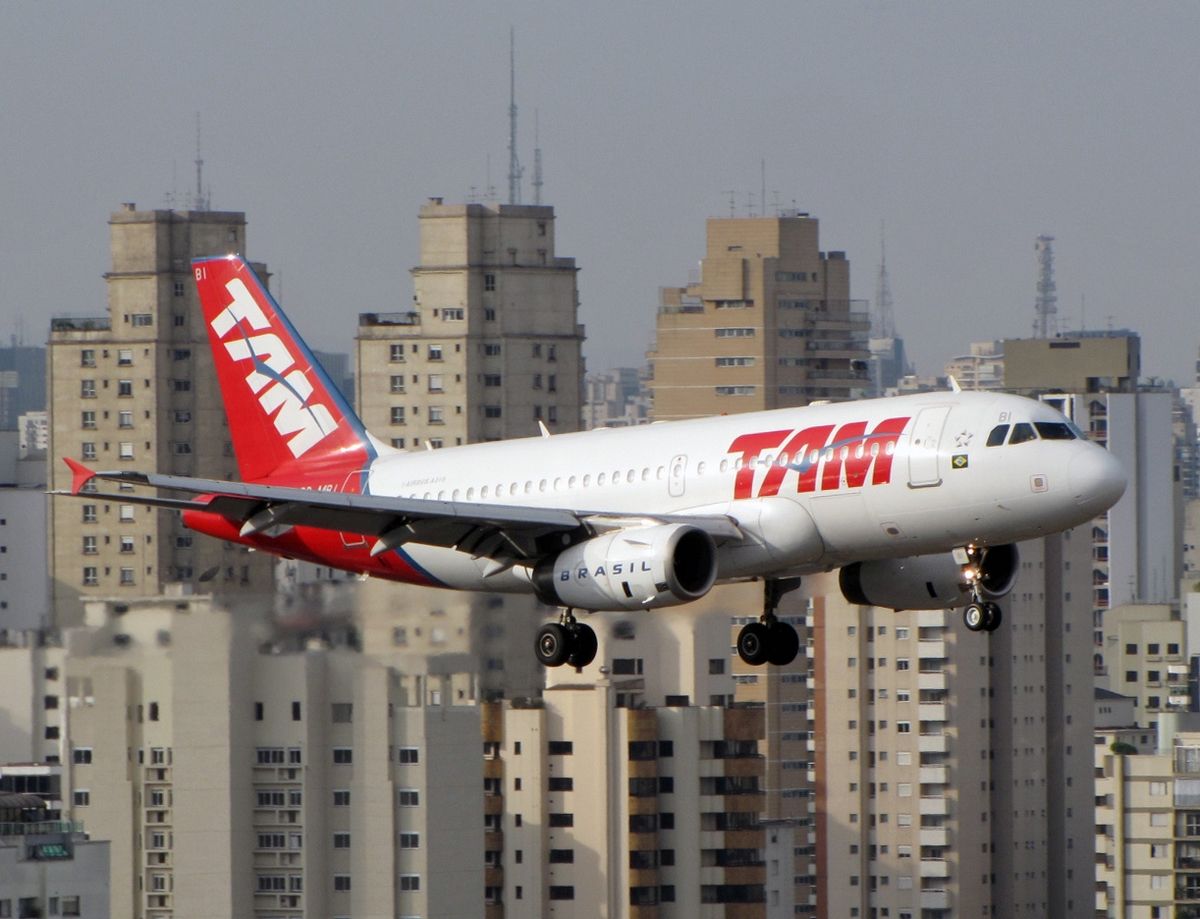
136,389
769,324
492,344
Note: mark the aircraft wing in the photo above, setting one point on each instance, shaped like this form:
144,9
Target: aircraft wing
482,529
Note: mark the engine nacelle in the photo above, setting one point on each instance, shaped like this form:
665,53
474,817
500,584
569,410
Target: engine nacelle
930,581
636,568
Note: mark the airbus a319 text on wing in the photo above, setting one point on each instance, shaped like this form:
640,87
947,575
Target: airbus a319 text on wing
917,499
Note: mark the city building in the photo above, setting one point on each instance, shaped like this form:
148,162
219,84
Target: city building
1081,362
1147,790
769,324
981,369
48,866
22,383
1145,650
136,389
262,774
491,346
617,398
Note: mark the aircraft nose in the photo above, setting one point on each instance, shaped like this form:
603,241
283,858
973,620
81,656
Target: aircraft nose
1096,479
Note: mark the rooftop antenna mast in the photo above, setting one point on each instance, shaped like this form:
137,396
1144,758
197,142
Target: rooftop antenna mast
884,321
201,201
1045,322
514,164
537,162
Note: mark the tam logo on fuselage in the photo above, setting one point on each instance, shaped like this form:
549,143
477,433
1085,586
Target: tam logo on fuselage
821,458
282,388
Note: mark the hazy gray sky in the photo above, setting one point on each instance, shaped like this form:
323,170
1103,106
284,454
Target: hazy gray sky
969,128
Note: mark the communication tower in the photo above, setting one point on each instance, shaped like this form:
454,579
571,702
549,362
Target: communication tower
1045,322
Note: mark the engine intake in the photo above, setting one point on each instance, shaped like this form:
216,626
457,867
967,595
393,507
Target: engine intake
929,581
637,568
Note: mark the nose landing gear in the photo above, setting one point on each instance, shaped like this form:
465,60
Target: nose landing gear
982,616
567,641
769,640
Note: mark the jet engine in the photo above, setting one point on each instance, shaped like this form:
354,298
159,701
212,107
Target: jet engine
931,581
634,568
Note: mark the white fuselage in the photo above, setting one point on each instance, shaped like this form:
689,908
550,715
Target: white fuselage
811,488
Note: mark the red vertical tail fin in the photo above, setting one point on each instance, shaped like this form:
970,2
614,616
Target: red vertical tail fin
285,415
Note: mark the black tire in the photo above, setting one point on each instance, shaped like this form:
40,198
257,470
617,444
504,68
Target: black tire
782,644
553,645
583,647
994,616
752,644
975,617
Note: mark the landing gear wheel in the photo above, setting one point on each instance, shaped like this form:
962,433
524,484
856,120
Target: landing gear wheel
753,642
975,617
582,647
782,643
994,616
553,645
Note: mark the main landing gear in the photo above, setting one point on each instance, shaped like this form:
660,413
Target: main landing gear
770,641
567,641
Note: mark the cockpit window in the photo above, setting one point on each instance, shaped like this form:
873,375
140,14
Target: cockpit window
997,435
1022,431
1054,430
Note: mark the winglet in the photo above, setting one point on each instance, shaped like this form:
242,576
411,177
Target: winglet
80,474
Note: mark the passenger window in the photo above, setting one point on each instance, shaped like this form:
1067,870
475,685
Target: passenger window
996,437
1022,431
1054,430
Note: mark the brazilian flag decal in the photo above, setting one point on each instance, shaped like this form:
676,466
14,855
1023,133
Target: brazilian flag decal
959,461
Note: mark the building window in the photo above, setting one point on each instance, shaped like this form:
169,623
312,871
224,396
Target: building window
127,577
435,352
89,545
88,420
452,313
343,756
90,578
397,414
435,383
489,282
125,450
81,756
408,797
125,388
88,450
342,712
87,357
87,389
408,756
125,357
491,379
341,797
734,333
560,748
125,514
89,513
562,893
491,350
341,882
410,882
437,414
126,545
396,353
410,840
141,319
341,840
396,383
489,314
81,797
125,419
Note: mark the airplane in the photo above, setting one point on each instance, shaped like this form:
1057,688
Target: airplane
917,499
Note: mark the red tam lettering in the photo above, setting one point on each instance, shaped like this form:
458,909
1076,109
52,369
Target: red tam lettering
797,449
750,445
872,450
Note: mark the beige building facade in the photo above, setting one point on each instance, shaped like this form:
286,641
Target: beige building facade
137,390
769,324
237,775
492,344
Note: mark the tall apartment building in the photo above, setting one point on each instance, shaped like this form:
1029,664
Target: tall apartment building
634,789
1145,650
137,390
1148,822
769,324
492,344
950,769
981,369
1092,379
238,776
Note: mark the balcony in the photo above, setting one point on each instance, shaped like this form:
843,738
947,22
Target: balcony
933,743
80,324
378,319
931,712
930,650
935,899
931,680
934,868
939,837
933,775
934,807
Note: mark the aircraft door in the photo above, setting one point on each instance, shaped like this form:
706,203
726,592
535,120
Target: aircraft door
677,475
923,462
